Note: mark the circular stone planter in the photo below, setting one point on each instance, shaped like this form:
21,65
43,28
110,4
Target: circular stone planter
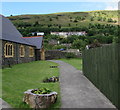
39,100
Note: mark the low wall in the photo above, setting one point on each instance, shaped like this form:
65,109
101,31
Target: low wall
54,54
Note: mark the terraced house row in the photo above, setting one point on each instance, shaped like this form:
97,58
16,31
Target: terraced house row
16,48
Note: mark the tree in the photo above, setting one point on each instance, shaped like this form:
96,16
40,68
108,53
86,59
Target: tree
92,18
75,20
116,39
49,25
50,19
59,26
56,17
69,24
104,19
95,44
36,23
110,20
79,44
70,39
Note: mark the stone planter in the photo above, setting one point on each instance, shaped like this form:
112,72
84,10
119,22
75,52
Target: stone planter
39,100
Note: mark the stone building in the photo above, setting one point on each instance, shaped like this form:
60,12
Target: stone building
15,48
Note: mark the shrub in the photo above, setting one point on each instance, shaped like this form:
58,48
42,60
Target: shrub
70,55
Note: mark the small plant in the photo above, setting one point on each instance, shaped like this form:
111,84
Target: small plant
41,91
52,79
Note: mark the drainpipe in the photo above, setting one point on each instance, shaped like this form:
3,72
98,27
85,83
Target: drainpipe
42,51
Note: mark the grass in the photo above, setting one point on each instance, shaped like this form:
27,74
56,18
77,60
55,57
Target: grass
76,62
26,76
0,83
66,18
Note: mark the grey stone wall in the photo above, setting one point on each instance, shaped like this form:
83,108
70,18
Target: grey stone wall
16,58
54,54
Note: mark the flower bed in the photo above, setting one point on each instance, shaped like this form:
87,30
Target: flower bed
39,98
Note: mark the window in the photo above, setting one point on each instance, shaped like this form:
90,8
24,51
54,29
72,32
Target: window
22,51
8,50
31,52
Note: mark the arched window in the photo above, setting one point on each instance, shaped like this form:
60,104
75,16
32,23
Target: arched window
22,51
31,52
8,50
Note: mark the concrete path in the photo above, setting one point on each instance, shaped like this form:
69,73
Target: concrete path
4,104
77,91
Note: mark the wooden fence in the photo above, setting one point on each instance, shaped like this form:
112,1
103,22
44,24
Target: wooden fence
102,67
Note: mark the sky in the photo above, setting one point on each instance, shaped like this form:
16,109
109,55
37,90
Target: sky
19,8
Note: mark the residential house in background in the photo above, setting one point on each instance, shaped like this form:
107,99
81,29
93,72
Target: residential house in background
53,42
66,34
16,48
37,33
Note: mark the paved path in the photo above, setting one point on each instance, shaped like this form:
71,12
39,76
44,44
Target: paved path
4,104
77,91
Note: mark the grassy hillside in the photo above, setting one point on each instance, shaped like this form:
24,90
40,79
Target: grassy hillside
28,23
68,19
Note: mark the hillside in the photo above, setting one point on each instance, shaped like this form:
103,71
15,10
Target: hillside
28,23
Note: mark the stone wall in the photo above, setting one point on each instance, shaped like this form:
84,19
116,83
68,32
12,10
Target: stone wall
54,54
16,58
0,53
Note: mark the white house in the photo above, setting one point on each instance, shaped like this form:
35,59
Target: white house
37,33
66,34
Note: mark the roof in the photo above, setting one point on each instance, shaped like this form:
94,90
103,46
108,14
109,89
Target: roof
37,41
10,33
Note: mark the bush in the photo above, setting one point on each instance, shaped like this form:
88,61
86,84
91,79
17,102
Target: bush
115,39
70,55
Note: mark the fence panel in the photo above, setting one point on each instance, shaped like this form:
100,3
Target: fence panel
101,67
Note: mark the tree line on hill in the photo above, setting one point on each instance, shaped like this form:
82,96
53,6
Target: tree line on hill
79,42
102,33
101,27
92,29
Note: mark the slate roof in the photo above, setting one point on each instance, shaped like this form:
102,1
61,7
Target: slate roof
10,33
36,40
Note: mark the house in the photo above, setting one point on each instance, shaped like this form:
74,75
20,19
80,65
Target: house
66,34
53,42
16,48
37,33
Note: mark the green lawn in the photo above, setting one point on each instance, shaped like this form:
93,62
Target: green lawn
0,83
22,77
76,62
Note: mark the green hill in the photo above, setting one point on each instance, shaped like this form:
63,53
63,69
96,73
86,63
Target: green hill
56,21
